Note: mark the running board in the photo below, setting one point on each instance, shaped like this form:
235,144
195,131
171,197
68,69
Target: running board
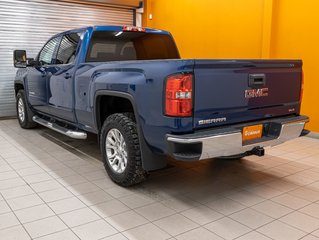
70,133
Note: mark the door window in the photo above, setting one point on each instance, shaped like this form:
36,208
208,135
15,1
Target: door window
47,52
68,48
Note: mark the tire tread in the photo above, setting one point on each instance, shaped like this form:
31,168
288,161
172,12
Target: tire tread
134,173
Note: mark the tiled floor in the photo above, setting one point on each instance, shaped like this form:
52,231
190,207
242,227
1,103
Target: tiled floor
52,187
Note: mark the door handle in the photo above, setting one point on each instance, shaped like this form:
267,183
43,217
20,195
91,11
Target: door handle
43,74
67,75
257,80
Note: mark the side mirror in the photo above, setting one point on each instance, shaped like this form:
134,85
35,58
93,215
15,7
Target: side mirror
20,58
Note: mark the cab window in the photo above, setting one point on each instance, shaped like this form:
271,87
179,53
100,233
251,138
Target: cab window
124,46
68,48
47,53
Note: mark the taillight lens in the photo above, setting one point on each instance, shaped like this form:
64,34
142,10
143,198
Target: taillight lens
179,95
302,85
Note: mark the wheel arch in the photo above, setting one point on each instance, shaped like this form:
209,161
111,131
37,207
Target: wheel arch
112,96
150,160
18,85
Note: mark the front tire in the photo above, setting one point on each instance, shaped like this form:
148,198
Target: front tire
121,150
24,112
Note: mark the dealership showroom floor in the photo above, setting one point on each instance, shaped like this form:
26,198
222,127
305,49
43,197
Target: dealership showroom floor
52,187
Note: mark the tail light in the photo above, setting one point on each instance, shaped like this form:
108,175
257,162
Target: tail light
178,98
302,85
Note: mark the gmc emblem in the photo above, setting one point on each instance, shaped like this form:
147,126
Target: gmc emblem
256,93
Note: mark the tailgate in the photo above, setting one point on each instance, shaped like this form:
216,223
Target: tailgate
228,92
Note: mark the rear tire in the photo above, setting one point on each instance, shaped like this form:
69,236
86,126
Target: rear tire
121,150
24,112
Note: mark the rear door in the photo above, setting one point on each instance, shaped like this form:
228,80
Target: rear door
228,92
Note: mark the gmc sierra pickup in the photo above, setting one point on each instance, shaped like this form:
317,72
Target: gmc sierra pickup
129,86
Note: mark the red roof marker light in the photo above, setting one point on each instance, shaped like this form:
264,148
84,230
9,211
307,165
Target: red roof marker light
133,29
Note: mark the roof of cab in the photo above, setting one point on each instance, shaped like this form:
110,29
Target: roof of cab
120,28
111,28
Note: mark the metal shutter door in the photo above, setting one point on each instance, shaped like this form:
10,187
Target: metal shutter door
27,24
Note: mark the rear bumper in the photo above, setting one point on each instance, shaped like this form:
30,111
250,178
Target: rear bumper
227,141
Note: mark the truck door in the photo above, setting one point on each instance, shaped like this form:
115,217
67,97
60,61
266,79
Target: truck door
36,81
60,79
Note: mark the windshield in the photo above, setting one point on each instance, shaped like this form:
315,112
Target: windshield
120,46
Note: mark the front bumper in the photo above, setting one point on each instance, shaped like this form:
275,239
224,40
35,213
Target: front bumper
227,141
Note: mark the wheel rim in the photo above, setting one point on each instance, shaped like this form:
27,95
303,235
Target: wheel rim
116,151
21,109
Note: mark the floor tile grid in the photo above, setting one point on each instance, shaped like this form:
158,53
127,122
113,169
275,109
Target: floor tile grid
92,159
207,223
67,212
224,216
55,215
274,220
81,174
279,203
39,219
296,210
28,222
260,226
127,229
292,174
65,166
36,205
251,230
16,218
293,210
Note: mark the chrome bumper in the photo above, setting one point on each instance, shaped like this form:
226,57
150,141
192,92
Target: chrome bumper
228,144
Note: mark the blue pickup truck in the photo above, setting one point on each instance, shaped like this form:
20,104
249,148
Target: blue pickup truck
129,86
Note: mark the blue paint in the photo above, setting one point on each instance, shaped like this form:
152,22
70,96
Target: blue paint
219,87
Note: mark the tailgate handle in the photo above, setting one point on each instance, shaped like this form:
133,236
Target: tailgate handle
256,80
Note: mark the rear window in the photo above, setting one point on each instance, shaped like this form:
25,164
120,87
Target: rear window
120,46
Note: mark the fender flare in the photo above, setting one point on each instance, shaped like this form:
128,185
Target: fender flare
18,82
150,161
96,105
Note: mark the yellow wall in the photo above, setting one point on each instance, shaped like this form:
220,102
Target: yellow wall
210,28
246,29
295,34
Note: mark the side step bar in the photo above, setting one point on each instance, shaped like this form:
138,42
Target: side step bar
70,133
